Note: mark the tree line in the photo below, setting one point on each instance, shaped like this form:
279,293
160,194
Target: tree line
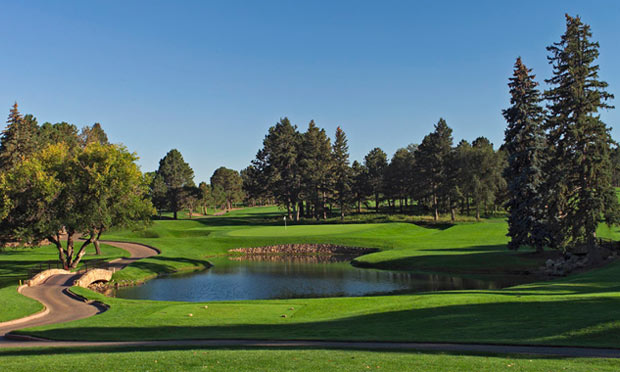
172,187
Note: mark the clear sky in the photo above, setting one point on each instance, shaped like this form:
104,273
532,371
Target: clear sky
209,78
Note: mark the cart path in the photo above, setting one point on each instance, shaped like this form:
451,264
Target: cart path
61,305
64,307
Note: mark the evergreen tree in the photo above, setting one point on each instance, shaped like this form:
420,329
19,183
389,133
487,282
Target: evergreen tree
315,163
231,184
398,177
376,163
176,174
341,170
579,190
360,185
432,156
525,147
18,140
280,163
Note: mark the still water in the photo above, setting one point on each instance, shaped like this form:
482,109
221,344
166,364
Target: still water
279,277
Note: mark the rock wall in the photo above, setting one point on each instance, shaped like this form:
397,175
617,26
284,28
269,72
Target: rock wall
301,249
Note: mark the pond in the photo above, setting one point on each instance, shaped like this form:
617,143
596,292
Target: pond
281,277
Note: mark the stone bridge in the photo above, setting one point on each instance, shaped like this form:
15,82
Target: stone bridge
92,276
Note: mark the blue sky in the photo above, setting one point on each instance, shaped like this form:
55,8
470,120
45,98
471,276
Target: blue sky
209,78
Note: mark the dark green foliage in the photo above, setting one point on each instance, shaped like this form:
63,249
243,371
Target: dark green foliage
399,177
579,189
230,182
315,166
341,171
375,163
525,148
431,159
360,182
176,175
279,160
63,132
18,140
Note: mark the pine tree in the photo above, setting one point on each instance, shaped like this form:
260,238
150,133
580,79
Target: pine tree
18,140
177,175
579,190
376,164
525,147
341,170
279,160
431,159
315,163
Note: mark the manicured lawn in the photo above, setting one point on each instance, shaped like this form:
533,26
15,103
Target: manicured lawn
201,359
17,264
577,310
13,305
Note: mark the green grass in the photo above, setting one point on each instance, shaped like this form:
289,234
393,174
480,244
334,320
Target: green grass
577,310
18,263
262,359
14,306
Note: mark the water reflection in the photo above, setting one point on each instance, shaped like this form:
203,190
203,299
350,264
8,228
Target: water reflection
279,277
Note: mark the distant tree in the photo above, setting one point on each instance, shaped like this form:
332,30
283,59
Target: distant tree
376,163
431,159
94,134
360,184
230,182
159,192
18,140
192,197
399,177
341,171
205,196
253,184
315,167
487,174
579,188
615,161
176,174
217,197
525,148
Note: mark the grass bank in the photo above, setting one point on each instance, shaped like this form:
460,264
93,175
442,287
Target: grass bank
261,359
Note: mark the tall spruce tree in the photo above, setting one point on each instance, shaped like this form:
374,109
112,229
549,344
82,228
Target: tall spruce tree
341,170
525,145
579,190
18,140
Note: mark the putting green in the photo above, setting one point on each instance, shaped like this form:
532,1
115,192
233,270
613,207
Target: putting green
277,231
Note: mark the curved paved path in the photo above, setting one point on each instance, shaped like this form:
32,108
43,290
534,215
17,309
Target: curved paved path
64,307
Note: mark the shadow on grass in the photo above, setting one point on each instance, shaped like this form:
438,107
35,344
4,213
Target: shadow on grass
578,322
165,265
131,349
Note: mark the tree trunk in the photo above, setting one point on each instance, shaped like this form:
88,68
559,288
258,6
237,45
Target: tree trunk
61,252
359,205
435,207
190,213
81,253
377,202
477,212
324,205
175,214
